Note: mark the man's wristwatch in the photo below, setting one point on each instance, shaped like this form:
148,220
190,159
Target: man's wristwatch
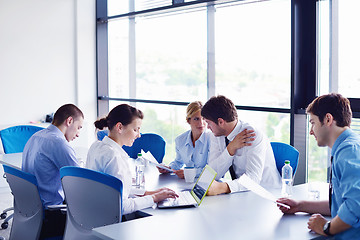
326,228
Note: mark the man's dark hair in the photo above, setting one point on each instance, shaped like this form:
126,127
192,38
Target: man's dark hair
65,111
335,104
219,107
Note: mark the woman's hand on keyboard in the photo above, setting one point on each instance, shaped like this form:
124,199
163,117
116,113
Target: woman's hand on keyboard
163,194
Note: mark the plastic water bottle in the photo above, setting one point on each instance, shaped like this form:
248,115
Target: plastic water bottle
287,180
139,171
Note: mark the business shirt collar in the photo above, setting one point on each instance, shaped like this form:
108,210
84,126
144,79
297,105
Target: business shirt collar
189,140
56,131
340,139
235,131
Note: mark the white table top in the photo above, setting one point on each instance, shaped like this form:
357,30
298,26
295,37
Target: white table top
242,215
11,159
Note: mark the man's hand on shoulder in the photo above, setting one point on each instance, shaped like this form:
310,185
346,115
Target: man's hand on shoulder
245,138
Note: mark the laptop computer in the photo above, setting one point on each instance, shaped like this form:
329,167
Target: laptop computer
194,197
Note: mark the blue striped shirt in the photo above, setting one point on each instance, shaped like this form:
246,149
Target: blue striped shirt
44,154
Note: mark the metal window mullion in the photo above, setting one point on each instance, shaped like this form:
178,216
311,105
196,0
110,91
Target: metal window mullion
132,58
334,46
210,51
333,59
102,57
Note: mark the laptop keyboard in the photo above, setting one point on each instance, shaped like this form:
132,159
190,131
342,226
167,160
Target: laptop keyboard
184,198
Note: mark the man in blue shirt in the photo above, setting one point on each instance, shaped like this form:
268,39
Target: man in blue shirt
330,118
44,154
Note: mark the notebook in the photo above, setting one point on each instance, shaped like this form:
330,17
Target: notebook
194,197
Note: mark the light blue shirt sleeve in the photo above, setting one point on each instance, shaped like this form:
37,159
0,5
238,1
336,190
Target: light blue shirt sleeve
178,163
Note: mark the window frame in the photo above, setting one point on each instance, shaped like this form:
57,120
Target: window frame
304,48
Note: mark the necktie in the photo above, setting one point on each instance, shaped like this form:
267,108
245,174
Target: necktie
330,183
231,168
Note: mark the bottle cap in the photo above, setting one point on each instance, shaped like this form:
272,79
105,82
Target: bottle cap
287,161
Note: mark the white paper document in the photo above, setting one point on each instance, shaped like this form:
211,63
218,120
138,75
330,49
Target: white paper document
150,158
259,190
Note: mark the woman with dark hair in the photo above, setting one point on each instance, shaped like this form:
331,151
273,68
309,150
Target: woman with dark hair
109,157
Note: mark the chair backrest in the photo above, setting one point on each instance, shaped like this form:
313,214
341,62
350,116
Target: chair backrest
15,138
282,152
93,199
28,208
148,142
101,134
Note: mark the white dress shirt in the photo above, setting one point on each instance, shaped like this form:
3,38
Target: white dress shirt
109,157
256,161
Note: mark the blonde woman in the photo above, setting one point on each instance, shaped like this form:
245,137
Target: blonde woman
192,147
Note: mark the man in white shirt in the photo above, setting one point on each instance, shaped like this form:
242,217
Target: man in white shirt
234,147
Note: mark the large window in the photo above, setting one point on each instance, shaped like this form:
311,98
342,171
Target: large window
337,68
171,57
271,57
252,53
349,48
164,56
119,58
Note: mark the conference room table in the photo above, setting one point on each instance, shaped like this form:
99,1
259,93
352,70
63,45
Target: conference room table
242,215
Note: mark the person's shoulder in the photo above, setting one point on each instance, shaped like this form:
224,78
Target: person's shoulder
208,134
353,139
349,139
260,138
182,137
102,149
99,146
350,146
56,139
248,126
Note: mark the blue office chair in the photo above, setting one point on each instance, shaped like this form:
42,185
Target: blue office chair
101,134
28,208
15,138
282,152
148,142
93,199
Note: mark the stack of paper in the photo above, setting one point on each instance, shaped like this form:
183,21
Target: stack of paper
150,158
259,190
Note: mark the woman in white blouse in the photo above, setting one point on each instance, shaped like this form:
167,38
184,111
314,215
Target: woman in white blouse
108,156
192,146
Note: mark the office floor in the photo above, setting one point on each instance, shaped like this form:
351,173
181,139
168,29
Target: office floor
6,200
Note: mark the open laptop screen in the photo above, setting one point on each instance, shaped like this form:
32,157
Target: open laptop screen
203,183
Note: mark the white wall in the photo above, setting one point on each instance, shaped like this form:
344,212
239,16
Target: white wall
47,59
